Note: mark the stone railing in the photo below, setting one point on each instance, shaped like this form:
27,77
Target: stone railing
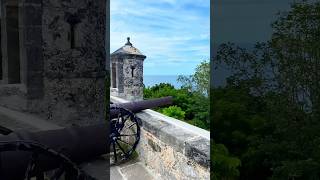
170,148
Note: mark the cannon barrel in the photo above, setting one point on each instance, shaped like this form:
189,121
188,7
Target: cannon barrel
142,105
79,144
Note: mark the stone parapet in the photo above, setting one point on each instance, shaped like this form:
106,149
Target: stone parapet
172,149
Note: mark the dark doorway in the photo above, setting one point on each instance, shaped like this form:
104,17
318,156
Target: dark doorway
114,75
13,48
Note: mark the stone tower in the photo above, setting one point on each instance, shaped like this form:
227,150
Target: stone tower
127,72
53,59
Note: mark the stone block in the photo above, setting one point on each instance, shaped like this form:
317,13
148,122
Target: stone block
175,137
198,149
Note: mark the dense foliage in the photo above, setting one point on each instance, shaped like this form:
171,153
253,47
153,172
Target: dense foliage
268,115
225,166
190,102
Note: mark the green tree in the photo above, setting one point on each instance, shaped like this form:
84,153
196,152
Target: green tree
273,97
223,166
199,81
191,103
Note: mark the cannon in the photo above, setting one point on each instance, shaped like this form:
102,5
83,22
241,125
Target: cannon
57,153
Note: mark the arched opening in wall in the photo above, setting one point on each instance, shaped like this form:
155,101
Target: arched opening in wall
114,75
13,48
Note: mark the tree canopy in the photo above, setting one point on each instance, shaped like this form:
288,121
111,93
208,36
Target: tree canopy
268,113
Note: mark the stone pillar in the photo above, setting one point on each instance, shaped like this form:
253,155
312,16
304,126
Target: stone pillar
31,44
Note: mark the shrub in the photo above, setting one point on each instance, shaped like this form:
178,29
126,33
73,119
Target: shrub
174,111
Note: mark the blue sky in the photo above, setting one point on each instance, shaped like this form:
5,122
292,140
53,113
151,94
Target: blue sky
173,34
243,22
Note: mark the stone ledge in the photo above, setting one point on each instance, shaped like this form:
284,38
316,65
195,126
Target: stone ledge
12,89
189,140
28,119
13,96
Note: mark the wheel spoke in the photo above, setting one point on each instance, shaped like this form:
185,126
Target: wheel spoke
129,126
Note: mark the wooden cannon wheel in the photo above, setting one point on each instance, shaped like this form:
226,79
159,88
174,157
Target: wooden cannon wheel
125,134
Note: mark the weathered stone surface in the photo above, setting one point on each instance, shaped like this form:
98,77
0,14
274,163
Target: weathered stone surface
33,36
198,149
154,146
63,62
12,124
115,174
25,121
136,172
168,163
98,168
32,15
13,96
175,136
151,124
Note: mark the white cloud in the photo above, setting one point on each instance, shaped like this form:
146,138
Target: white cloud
165,31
